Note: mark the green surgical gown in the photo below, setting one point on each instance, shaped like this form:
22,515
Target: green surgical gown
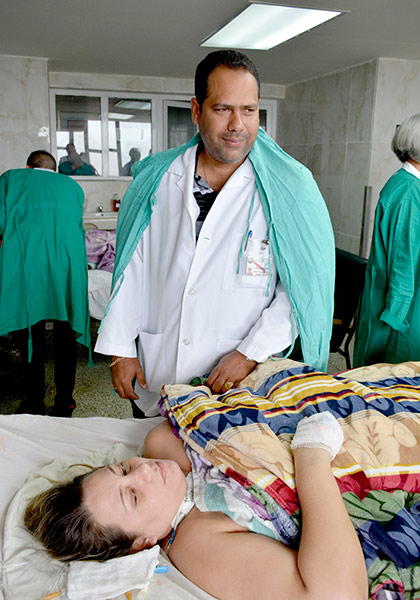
388,328
43,262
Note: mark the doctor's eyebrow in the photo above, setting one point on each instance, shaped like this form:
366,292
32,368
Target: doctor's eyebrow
242,106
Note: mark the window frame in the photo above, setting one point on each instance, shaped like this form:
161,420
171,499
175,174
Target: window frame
159,120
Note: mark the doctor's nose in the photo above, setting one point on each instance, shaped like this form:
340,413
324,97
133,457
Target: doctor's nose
235,122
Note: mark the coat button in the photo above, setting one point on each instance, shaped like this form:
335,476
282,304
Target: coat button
186,342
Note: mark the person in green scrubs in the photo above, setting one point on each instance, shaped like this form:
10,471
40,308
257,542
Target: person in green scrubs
388,328
43,274
73,163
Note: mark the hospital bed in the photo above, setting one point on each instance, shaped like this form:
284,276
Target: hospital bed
28,443
100,246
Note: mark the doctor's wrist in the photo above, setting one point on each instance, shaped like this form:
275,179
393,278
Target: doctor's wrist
247,358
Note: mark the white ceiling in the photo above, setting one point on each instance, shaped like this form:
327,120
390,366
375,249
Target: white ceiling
161,37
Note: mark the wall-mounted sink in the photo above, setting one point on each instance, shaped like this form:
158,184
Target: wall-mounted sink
101,220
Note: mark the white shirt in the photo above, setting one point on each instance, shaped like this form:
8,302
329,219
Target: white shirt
411,169
184,299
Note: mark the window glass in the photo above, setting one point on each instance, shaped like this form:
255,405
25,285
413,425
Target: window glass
78,122
130,133
180,125
263,118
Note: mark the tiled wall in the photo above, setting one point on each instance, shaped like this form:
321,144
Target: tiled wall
24,109
340,126
326,123
397,97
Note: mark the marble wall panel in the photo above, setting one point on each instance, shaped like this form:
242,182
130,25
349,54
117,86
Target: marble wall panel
171,85
293,115
361,101
315,159
329,107
347,242
355,180
397,96
24,109
299,152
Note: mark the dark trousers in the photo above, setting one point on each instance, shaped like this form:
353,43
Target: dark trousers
65,361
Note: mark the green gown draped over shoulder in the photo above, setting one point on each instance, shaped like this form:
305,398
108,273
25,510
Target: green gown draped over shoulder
299,229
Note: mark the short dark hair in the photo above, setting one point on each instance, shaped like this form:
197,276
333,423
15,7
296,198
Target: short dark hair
41,159
221,58
60,521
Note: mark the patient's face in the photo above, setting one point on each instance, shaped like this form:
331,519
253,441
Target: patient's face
141,496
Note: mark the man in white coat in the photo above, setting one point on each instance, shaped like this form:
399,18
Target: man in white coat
196,289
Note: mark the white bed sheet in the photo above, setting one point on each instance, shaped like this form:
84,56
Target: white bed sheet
28,442
99,291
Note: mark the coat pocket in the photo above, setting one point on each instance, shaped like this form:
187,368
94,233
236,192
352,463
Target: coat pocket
251,270
153,359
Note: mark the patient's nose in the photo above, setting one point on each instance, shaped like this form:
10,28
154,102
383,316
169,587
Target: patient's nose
143,472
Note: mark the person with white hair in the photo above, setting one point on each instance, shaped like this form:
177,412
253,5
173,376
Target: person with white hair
388,327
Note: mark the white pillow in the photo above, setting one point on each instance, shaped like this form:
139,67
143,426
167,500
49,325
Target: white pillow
30,574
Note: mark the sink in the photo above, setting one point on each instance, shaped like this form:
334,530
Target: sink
104,213
101,220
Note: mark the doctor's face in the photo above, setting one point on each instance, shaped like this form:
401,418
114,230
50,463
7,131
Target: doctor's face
140,496
229,118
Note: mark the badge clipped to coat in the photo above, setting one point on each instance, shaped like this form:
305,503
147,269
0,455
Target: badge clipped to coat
257,257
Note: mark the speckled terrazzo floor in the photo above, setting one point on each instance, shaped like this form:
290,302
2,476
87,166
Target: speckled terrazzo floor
93,391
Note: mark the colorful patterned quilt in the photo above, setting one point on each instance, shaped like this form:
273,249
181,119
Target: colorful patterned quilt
246,433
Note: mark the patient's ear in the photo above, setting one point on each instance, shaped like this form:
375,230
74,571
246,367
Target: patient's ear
141,543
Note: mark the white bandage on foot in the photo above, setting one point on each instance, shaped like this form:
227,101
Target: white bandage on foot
321,430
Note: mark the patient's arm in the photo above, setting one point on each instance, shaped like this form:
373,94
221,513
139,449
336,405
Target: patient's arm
160,442
231,563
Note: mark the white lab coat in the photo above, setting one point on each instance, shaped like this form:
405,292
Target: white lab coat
184,300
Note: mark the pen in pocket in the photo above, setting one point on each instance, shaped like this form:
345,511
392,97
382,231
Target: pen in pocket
249,236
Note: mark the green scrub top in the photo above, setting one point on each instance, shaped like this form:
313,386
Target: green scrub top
43,261
388,328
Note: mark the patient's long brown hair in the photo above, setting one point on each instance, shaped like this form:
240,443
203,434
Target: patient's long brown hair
58,519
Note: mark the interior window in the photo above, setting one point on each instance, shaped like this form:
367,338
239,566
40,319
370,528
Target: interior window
129,133
79,142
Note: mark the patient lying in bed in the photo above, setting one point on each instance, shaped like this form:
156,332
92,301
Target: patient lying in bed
240,441
123,508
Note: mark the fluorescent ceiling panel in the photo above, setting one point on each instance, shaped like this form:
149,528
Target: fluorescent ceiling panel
120,116
263,26
133,104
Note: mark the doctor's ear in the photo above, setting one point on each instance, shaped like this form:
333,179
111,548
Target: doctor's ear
195,111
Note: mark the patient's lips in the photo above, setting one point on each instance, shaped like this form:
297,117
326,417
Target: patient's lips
162,471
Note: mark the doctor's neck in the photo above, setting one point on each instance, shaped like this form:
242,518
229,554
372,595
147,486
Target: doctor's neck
215,172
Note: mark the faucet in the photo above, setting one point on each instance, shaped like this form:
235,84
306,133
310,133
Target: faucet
100,208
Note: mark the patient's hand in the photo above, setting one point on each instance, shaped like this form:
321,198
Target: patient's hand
123,373
231,369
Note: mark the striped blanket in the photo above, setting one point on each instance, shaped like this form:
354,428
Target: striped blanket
246,434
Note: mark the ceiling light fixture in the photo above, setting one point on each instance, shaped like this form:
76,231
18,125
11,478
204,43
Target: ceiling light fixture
119,116
263,26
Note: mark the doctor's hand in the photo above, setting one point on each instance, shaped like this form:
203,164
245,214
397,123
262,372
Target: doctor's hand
123,372
230,370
